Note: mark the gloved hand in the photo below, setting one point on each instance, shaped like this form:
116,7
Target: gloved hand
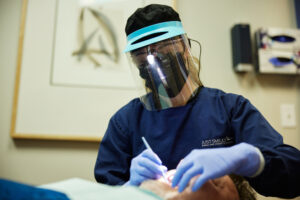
241,159
146,165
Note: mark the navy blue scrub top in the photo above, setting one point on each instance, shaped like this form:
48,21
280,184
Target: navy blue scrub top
213,119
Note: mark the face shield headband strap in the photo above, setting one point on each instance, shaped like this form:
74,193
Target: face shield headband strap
152,34
200,51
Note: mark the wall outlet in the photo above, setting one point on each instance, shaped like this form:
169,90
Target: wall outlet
288,116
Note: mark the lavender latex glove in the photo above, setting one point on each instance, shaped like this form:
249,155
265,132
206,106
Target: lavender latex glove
241,159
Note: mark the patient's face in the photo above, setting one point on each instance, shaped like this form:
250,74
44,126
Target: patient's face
218,189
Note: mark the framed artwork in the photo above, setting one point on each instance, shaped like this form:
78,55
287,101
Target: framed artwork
72,74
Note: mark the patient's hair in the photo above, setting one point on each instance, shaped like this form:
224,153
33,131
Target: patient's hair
245,191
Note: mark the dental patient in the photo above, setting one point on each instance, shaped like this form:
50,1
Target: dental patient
225,188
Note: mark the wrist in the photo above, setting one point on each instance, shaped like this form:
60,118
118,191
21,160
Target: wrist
261,163
127,183
250,160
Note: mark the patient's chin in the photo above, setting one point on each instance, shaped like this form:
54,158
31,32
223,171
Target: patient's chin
160,188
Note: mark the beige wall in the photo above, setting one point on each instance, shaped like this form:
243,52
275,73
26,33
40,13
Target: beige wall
34,162
208,21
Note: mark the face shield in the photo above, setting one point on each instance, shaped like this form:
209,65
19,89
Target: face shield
168,73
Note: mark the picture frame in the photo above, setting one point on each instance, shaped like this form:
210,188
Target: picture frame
47,109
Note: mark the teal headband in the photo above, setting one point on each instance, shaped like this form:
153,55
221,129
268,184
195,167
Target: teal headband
164,30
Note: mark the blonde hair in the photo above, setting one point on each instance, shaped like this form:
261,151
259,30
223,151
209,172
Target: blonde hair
194,68
244,189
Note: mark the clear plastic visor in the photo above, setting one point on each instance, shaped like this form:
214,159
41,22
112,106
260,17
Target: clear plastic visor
168,73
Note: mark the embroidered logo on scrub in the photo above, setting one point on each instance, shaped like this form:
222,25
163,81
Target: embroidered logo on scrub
218,142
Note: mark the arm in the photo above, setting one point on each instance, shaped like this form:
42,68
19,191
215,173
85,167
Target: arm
113,161
116,163
281,173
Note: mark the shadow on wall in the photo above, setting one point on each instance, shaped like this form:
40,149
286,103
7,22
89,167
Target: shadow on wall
269,80
278,80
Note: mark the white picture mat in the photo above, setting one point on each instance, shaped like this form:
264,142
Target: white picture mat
67,70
